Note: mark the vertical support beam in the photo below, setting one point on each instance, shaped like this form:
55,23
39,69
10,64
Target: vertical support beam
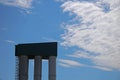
38,68
52,68
23,67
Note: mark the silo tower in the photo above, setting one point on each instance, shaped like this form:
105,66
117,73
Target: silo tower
36,51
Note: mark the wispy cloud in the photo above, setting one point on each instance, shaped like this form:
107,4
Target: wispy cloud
81,54
88,56
102,68
72,63
10,41
96,30
69,63
22,4
49,39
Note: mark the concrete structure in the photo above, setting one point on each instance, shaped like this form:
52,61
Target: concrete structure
36,51
52,68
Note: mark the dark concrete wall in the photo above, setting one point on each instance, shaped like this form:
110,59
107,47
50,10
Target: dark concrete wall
33,49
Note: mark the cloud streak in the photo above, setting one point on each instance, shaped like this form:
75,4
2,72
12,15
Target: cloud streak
10,41
69,63
22,4
97,31
72,64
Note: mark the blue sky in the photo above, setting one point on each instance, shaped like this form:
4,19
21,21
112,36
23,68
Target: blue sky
87,32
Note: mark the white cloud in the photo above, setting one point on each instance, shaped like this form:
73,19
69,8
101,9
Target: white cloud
97,31
64,65
81,54
23,4
101,61
113,3
10,41
69,63
102,68
49,39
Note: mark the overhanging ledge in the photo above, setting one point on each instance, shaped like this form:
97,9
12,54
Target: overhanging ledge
37,49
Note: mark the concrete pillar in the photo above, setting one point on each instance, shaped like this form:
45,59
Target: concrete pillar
52,68
23,67
37,68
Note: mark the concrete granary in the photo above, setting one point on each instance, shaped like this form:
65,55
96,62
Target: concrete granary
36,51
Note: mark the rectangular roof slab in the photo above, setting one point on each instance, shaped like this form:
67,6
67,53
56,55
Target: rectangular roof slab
37,49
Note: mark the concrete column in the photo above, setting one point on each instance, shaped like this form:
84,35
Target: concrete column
23,67
52,68
38,68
